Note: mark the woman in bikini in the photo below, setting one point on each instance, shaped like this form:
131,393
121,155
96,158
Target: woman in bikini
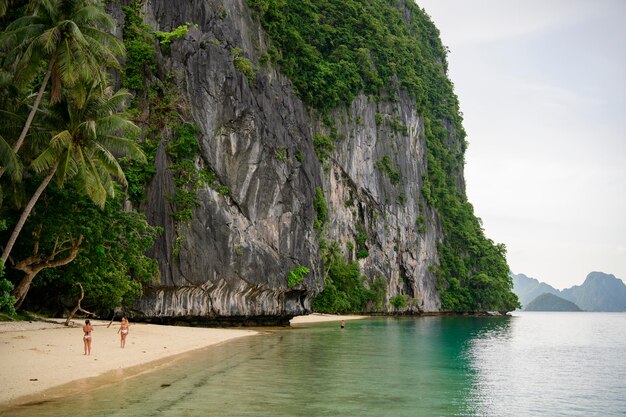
123,331
87,329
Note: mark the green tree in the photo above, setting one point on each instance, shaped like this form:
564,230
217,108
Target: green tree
6,299
71,39
68,239
86,138
141,54
9,162
344,290
4,4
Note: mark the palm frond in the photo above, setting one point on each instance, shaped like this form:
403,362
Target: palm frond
108,183
61,175
24,22
73,32
108,163
49,39
116,101
91,13
116,124
9,162
123,147
105,45
62,140
45,160
94,187
11,122
47,7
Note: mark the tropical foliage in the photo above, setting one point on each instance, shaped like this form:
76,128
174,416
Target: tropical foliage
65,130
344,289
297,275
334,49
111,264
69,39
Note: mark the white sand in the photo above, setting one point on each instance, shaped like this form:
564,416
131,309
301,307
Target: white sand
317,318
37,356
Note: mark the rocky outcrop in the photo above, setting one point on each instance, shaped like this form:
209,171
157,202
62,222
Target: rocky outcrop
233,258
401,247
599,292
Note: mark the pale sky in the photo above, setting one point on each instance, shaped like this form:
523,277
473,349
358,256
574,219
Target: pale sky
542,88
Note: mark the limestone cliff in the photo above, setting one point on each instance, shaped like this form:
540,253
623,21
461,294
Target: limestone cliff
233,257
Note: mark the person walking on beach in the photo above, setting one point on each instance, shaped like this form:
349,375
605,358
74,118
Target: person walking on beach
123,331
87,329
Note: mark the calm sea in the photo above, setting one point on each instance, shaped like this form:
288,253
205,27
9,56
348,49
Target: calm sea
530,364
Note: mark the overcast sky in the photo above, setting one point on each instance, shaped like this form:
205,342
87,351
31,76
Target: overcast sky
542,87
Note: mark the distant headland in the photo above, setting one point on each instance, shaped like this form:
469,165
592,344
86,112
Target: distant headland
599,292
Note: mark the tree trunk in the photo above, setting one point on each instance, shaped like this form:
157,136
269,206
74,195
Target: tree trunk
31,115
32,265
26,212
78,307
22,289
33,111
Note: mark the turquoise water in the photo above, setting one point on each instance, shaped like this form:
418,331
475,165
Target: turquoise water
531,364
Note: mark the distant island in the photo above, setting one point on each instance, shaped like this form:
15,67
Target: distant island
551,302
527,288
599,292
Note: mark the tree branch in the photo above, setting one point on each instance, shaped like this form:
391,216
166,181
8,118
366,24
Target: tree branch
78,307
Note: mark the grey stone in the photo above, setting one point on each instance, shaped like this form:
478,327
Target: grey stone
234,256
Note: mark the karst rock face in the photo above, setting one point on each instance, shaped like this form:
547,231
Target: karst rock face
231,261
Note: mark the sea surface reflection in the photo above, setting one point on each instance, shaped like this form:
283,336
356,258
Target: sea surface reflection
529,364
552,364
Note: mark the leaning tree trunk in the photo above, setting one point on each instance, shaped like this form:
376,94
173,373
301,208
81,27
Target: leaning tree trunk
33,111
27,210
32,265
78,307
22,289
31,115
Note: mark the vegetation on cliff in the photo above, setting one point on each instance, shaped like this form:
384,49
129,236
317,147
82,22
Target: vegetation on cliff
332,50
66,130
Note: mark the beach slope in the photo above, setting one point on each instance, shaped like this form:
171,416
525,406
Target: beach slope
36,356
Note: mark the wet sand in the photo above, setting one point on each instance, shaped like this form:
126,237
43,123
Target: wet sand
318,318
38,356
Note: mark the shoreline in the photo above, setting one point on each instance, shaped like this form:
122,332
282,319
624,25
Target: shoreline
41,360
39,357
322,318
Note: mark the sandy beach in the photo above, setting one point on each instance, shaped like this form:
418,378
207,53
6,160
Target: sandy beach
319,318
37,356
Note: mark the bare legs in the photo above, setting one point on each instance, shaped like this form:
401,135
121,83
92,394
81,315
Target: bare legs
87,343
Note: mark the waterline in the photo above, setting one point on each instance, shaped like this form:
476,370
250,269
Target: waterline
428,366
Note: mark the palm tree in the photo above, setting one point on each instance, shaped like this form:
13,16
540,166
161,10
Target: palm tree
4,4
70,38
9,162
84,147
12,109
